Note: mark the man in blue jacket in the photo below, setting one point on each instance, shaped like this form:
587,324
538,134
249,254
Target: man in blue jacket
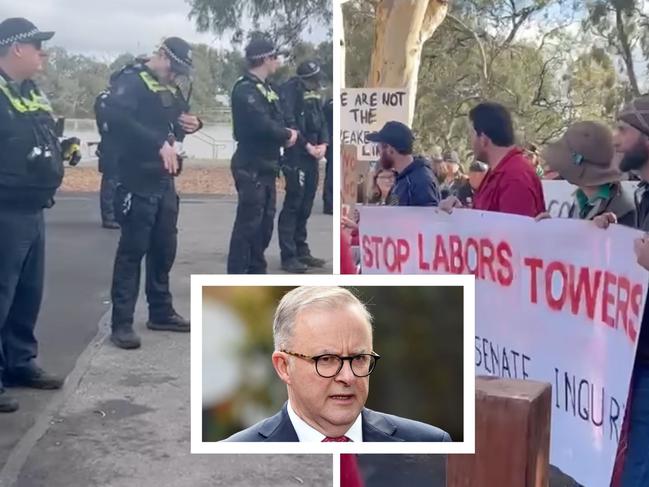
416,184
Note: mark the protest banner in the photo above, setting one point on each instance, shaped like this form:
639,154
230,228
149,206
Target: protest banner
558,301
366,110
559,195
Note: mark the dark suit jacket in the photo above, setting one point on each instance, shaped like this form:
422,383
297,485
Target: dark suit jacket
376,427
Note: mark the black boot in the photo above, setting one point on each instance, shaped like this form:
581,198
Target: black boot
33,377
173,322
311,261
8,404
294,266
124,336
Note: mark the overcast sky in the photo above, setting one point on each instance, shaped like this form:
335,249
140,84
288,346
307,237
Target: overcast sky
106,28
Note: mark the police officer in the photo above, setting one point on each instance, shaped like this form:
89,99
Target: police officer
260,132
303,111
328,190
108,155
149,116
31,170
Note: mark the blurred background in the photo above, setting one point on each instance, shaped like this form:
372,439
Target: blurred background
418,331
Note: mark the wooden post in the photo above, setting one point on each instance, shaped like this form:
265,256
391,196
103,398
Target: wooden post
512,435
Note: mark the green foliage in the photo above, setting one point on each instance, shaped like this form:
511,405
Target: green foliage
621,27
284,20
72,81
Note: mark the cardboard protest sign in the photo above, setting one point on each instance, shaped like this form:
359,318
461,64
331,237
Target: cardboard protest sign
366,110
559,195
349,176
559,301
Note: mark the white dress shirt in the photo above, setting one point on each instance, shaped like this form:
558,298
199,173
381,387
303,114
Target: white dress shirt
307,433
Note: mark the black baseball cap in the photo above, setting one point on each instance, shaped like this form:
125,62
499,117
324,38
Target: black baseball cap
17,29
395,134
180,53
261,48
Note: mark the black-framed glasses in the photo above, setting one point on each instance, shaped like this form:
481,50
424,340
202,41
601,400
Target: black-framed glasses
329,365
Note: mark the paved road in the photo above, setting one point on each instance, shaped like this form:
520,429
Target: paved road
72,338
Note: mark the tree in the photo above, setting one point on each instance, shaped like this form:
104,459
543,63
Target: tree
623,27
284,20
400,32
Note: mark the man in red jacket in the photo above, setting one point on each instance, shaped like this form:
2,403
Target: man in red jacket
510,185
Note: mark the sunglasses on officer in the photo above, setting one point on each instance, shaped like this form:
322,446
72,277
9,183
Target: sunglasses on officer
38,45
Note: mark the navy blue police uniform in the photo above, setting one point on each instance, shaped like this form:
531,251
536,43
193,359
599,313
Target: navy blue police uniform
260,132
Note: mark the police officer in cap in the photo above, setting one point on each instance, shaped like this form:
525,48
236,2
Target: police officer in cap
149,116
260,132
31,170
108,156
303,111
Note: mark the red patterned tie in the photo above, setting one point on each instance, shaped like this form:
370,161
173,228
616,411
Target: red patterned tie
337,439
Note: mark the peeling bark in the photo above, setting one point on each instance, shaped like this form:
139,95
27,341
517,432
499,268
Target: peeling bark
401,29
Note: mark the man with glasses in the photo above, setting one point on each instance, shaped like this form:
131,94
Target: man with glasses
31,170
260,131
149,117
324,355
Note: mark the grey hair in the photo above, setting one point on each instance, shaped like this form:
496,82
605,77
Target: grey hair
4,50
310,296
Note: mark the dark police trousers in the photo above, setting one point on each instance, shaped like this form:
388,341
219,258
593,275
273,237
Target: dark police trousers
328,189
253,226
149,228
301,186
107,197
22,264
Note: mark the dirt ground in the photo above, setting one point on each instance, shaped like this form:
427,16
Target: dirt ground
193,180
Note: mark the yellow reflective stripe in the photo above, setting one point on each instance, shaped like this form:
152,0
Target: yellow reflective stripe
311,95
268,93
154,85
151,83
24,105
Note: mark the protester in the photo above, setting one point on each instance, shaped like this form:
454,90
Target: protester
584,156
324,355
510,185
452,177
466,192
382,183
632,140
415,184
532,152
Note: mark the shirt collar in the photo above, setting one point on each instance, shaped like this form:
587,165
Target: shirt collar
415,164
508,157
603,193
306,433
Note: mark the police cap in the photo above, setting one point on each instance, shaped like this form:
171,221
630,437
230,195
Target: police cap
309,70
260,48
21,30
180,54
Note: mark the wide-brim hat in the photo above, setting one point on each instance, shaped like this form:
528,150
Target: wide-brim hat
584,155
